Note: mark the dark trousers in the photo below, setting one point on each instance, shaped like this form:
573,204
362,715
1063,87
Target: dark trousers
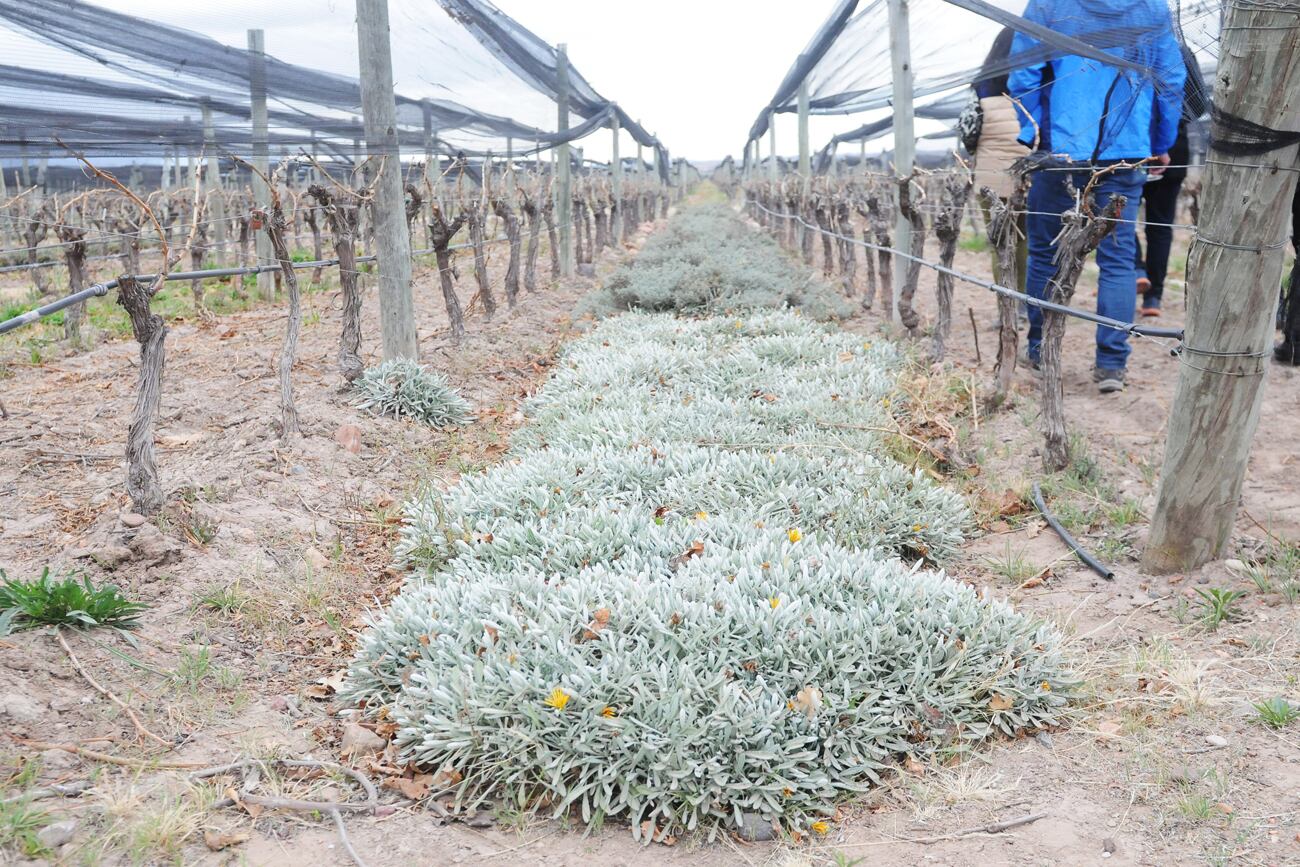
1048,197
1290,314
1161,197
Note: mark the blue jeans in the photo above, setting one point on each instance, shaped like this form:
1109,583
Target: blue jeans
1116,296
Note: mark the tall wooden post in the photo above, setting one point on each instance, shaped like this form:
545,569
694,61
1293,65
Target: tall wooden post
426,108
392,240
615,177
773,170
563,178
640,158
900,52
805,156
1234,268
261,194
216,201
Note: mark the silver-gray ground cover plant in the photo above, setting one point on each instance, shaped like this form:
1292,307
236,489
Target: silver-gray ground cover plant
697,588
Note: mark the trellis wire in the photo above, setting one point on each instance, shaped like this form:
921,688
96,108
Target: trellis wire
99,290
1096,318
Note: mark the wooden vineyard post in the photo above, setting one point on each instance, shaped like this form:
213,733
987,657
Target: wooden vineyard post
900,52
805,174
216,202
563,173
1234,268
392,240
261,154
773,168
615,178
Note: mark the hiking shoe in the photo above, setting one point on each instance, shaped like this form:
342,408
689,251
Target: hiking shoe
1143,284
1287,352
1108,380
1151,312
1034,363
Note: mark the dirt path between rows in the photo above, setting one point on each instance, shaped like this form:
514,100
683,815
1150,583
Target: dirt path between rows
266,563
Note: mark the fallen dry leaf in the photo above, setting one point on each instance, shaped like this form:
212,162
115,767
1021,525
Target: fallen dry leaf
415,788
218,840
808,700
599,620
1109,728
446,778
999,702
656,834
1011,503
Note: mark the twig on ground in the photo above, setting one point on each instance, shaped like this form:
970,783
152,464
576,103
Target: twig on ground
64,790
112,760
343,838
989,829
135,720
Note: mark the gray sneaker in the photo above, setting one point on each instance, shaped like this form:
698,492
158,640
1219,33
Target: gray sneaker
1108,380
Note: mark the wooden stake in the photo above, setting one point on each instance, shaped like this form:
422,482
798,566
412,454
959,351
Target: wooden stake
261,154
1233,272
563,175
392,240
900,52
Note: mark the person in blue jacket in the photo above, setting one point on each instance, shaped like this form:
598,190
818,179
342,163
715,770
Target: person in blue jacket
1088,115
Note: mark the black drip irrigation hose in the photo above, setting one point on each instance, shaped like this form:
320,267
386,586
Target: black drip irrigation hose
1090,561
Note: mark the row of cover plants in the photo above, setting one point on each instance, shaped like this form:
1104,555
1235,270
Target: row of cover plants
697,589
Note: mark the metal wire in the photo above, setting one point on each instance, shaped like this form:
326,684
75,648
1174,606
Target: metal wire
1105,321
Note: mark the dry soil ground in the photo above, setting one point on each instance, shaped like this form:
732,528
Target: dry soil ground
269,556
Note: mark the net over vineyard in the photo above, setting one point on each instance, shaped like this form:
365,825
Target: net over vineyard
111,84
846,68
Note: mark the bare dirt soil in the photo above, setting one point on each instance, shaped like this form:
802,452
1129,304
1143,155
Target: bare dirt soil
263,567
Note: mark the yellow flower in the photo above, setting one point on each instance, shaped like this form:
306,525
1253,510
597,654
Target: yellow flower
558,698
608,712
740,323
916,528
774,601
787,791
820,827
701,516
1045,686
794,535
866,346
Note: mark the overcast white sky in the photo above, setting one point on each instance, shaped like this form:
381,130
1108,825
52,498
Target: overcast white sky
697,72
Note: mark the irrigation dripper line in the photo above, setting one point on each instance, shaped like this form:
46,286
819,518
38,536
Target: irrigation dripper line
98,290
1096,318
1090,561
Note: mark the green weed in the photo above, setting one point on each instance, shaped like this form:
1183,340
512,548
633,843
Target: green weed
68,602
1217,605
1276,712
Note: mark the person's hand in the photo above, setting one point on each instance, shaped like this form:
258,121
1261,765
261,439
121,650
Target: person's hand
1158,169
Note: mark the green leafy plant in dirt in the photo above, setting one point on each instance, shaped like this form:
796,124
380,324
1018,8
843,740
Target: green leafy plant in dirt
708,260
1215,606
683,598
20,825
404,389
64,602
1276,712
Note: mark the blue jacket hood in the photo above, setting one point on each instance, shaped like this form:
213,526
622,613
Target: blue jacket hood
1087,110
